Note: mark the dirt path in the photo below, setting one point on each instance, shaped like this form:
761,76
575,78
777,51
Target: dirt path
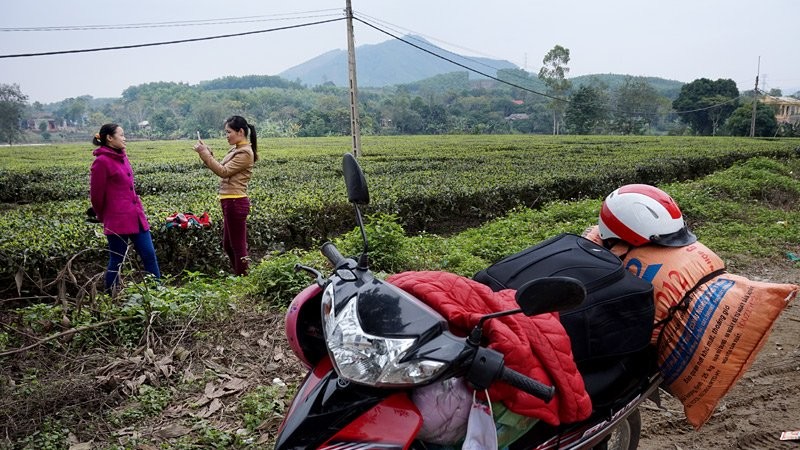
765,401
252,351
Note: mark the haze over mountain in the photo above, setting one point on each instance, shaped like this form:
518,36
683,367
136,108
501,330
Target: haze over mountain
389,63
394,62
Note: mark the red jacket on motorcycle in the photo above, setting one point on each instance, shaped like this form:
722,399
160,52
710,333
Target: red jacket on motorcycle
536,346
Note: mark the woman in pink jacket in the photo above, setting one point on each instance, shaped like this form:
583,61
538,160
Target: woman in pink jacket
116,204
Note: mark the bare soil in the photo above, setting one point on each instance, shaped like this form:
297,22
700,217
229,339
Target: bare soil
209,370
764,403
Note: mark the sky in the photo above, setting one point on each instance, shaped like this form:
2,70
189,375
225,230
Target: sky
680,40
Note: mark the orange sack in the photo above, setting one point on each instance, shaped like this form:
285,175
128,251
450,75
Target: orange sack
715,333
707,347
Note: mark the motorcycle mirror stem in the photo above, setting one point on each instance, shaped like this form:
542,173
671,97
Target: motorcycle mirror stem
476,334
363,264
357,194
318,278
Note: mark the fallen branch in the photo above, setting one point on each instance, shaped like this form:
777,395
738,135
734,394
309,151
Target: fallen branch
66,333
33,297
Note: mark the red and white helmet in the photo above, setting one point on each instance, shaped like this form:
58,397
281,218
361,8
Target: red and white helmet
639,214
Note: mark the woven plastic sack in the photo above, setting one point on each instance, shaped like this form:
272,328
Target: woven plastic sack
719,321
707,347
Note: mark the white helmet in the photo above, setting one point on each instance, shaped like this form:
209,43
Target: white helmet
640,213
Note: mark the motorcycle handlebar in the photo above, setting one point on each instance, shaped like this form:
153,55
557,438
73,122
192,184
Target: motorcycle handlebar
332,253
527,384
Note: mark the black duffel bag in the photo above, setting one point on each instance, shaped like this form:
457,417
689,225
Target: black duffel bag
617,317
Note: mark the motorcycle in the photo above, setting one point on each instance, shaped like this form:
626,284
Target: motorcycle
368,344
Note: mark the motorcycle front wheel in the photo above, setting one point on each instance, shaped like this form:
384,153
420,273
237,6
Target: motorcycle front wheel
625,435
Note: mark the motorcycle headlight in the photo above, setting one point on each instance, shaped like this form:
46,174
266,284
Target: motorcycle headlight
367,359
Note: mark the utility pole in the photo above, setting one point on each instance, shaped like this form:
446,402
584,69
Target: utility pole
755,101
351,67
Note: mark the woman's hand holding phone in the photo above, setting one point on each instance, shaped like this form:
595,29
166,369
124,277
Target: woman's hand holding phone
200,144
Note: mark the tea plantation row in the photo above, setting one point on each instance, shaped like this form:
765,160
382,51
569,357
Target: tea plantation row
432,183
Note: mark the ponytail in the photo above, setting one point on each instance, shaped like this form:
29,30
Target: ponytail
101,137
253,141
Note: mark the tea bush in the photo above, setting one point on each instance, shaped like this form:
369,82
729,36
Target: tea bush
437,184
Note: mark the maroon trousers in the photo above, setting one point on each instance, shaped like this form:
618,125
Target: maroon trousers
234,232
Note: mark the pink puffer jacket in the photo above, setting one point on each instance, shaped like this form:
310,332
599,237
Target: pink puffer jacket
113,195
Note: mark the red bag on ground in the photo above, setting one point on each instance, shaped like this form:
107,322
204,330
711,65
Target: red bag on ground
188,220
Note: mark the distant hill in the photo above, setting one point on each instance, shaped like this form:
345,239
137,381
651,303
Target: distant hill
394,62
668,88
458,81
389,63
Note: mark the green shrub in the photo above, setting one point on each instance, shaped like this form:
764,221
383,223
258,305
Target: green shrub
386,239
275,279
749,210
436,184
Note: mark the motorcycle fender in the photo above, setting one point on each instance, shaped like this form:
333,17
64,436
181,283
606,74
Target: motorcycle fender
391,424
326,415
316,376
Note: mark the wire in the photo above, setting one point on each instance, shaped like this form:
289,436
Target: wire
180,41
398,28
246,19
395,27
177,23
413,34
717,105
459,64
607,108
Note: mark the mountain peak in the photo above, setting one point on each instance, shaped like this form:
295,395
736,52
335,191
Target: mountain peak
389,63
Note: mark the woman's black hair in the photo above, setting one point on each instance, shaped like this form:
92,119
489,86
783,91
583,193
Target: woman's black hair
237,123
101,138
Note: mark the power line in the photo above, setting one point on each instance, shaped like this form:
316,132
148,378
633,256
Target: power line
178,23
180,41
275,17
398,28
458,63
607,108
408,31
716,105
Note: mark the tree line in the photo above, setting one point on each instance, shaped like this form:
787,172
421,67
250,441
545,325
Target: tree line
516,101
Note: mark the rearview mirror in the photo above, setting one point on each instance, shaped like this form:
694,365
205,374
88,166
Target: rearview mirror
550,294
357,191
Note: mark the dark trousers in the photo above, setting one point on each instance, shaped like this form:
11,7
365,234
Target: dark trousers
234,232
118,246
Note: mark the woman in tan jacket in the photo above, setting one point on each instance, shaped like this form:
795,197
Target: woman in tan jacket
234,170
